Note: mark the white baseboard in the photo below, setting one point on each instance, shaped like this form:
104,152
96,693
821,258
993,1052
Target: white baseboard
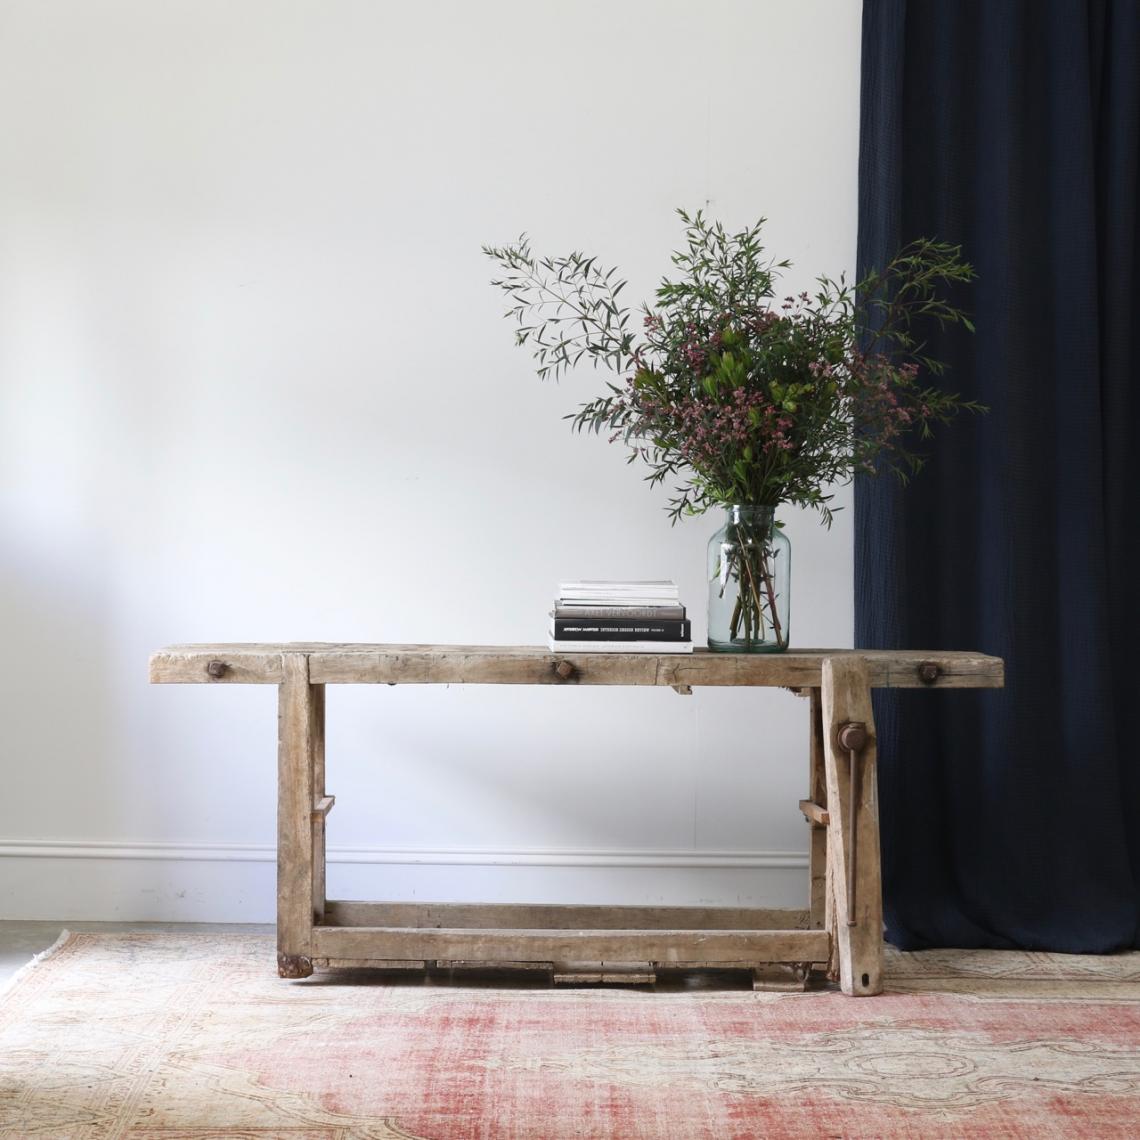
197,882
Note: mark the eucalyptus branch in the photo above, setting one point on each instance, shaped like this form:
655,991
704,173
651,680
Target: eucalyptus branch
907,289
583,298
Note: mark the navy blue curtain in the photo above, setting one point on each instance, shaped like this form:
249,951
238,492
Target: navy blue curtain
1012,818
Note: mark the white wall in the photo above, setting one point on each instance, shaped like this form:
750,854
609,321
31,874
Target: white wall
255,386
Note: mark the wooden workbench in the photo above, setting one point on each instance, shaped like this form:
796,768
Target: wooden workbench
840,931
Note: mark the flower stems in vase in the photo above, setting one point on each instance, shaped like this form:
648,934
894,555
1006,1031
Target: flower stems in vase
749,561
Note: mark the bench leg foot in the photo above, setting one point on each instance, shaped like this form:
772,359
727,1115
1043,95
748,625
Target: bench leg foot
293,966
781,977
855,916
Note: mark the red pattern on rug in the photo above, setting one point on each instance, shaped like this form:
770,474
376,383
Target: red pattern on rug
192,1036
813,1065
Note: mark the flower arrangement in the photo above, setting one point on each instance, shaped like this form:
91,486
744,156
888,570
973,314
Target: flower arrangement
738,396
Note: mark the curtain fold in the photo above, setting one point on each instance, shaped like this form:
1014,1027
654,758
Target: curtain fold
1012,818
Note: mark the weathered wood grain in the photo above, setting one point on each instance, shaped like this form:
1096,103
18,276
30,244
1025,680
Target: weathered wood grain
814,814
299,713
612,946
512,967
369,964
639,974
529,665
858,924
554,916
241,665
817,794
781,977
321,803
584,941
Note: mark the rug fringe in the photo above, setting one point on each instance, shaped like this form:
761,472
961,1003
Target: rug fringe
6,987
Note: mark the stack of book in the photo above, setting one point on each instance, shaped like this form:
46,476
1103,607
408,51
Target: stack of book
619,617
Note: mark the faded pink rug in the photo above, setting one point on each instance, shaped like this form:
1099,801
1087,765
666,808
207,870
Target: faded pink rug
193,1036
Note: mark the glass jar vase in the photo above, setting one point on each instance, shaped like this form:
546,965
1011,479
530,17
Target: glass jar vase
750,562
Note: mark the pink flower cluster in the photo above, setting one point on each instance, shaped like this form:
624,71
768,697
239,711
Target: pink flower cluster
867,402
707,432
880,414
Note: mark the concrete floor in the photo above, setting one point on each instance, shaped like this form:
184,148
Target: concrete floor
20,941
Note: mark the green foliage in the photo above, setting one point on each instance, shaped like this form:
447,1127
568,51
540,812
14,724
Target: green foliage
735,396
573,305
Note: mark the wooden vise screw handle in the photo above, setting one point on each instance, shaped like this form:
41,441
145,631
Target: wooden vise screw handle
852,739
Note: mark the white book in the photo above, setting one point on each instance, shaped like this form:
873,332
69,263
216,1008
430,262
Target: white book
640,603
616,593
630,585
564,646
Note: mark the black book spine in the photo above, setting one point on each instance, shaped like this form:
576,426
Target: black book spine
577,629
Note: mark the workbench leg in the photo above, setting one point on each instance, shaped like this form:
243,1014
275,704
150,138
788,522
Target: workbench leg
853,832
319,816
817,793
298,714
